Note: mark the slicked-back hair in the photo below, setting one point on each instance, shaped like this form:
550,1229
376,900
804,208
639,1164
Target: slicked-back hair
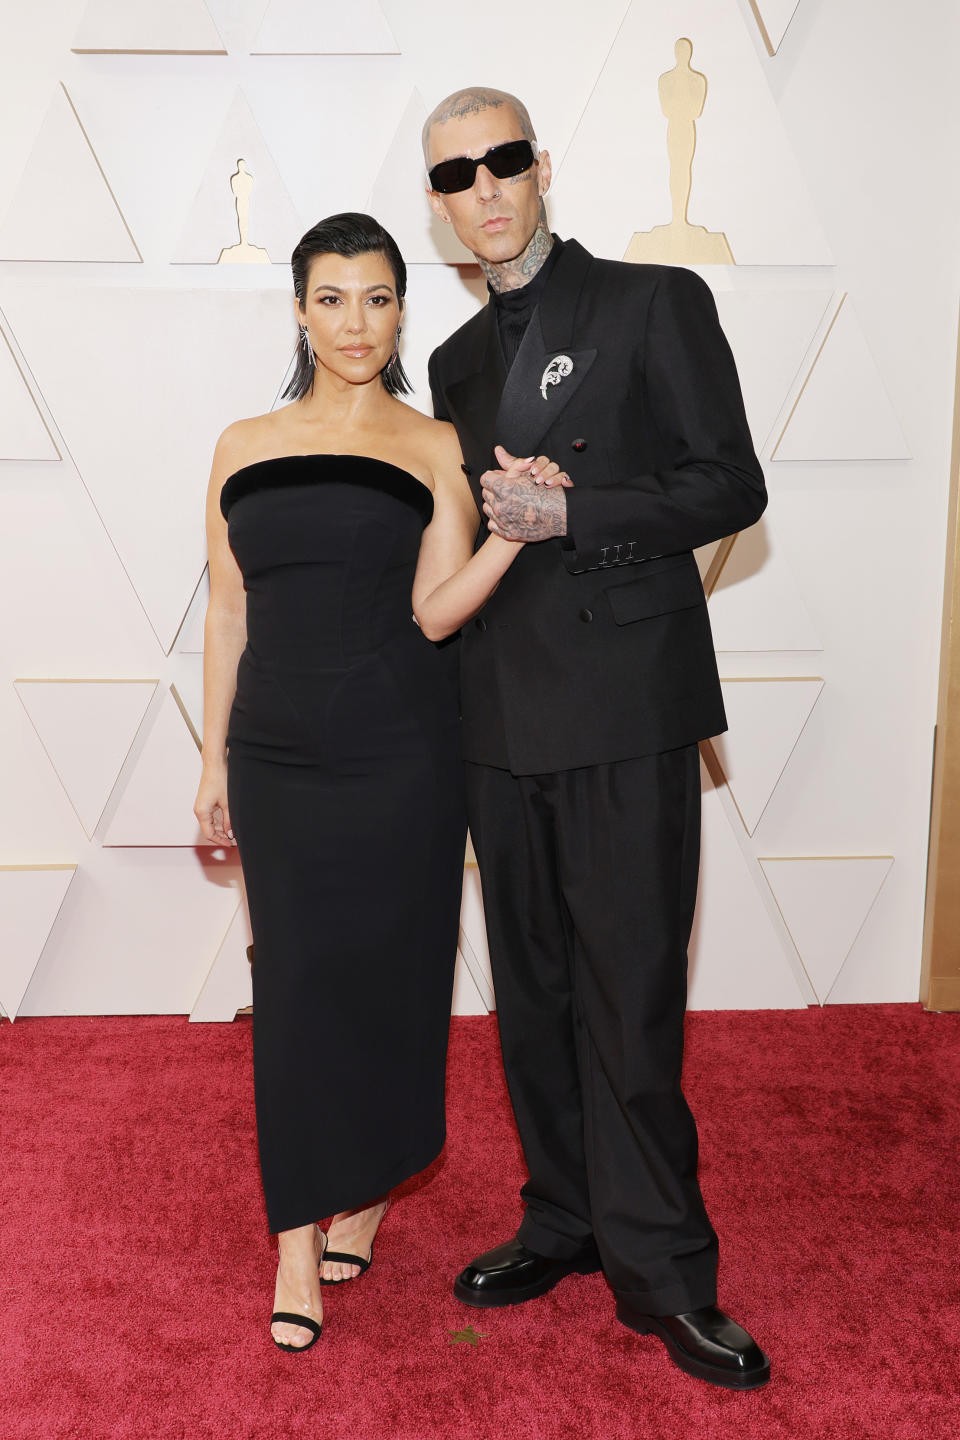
348,234
473,101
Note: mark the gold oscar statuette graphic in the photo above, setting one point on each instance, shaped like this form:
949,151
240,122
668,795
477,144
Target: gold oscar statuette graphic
241,183
683,92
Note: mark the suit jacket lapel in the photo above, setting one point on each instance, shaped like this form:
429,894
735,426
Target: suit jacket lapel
529,406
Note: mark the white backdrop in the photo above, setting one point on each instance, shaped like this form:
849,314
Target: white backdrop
125,349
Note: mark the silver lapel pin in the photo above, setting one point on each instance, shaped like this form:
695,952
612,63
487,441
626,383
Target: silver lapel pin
559,366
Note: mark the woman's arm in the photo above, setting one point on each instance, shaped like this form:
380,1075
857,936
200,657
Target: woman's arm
452,583
224,636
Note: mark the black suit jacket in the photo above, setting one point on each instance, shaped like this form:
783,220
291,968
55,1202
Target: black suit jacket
597,647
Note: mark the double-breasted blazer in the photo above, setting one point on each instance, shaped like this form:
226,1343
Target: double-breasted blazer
596,647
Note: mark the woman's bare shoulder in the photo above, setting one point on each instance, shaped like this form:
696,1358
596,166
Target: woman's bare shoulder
246,441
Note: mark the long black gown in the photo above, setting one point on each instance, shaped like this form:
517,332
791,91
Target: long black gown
345,793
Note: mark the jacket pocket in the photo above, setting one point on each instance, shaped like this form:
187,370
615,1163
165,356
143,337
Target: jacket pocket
675,589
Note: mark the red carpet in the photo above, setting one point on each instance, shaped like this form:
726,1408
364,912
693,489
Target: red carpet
137,1277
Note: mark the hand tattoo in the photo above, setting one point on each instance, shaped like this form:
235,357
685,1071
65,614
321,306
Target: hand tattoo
521,510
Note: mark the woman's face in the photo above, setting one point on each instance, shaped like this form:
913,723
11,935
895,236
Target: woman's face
351,311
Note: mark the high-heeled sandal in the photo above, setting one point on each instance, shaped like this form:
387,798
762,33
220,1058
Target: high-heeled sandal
288,1317
346,1259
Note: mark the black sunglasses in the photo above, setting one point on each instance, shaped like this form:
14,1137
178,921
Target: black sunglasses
503,161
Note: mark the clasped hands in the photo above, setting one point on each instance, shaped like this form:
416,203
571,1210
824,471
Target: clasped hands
524,499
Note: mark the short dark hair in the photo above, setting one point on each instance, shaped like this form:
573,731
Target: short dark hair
349,234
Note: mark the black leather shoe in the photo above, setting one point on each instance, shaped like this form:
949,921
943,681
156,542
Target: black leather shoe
511,1273
706,1343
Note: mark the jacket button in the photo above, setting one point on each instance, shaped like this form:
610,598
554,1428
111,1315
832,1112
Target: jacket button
579,446
586,616
480,623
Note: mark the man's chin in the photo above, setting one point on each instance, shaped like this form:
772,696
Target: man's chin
499,249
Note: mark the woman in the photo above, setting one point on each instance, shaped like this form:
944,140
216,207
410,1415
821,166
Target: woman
331,756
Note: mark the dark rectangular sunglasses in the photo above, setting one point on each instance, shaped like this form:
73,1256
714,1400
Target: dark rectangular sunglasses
503,161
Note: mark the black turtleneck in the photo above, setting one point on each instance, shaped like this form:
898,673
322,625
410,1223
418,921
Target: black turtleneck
514,307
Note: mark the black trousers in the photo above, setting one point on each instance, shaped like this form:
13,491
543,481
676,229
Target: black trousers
589,883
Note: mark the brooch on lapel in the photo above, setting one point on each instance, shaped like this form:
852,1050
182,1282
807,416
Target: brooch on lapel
559,366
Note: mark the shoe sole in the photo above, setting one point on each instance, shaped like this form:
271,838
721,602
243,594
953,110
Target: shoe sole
494,1300
712,1374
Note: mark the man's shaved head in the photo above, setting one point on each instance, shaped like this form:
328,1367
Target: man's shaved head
473,102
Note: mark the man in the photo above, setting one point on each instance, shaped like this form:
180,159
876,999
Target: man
587,681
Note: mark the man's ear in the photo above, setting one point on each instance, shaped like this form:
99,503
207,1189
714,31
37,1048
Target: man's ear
544,172
437,205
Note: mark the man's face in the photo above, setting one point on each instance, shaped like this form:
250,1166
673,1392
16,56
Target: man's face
495,219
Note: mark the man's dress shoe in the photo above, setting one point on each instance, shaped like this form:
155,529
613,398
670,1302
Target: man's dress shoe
511,1273
705,1343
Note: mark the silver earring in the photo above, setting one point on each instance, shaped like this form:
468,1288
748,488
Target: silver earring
396,351
305,343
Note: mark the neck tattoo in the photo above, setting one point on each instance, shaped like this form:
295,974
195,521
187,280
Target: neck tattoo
513,274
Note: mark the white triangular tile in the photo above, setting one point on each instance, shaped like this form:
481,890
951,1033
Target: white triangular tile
30,900
756,603
154,803
211,226
212,357
63,207
324,27
474,957
228,986
765,719
399,192
738,961
770,332
843,411
175,27
86,727
773,17
824,901
189,639
23,430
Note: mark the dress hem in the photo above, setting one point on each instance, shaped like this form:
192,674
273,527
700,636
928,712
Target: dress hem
404,1171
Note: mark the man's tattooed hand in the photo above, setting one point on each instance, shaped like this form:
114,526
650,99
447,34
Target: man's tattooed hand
517,508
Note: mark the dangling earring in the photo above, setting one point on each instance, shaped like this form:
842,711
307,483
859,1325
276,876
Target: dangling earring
305,343
391,363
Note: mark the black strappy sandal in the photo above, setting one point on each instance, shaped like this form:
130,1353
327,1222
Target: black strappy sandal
346,1259
288,1317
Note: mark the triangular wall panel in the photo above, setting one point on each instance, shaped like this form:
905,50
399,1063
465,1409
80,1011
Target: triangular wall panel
212,356
843,411
755,603
770,332
474,982
773,17
738,961
228,986
86,727
824,901
30,900
211,225
765,718
614,179
63,207
324,27
155,804
138,27
189,639
23,430
399,191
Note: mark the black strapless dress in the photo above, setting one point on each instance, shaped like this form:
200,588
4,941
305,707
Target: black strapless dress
345,792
